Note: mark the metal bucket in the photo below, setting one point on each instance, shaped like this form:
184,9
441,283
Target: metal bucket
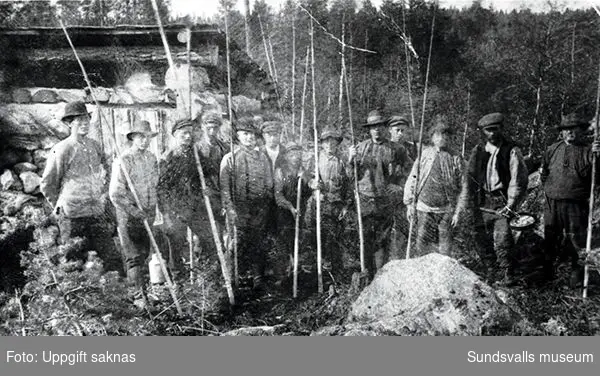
523,221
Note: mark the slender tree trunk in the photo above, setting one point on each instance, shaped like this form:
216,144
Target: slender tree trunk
236,276
420,148
573,55
408,76
588,240
365,99
341,88
538,95
464,141
247,26
262,33
316,156
302,105
293,73
270,63
361,238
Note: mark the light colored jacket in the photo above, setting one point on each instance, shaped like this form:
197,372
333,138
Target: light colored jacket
450,166
74,178
142,168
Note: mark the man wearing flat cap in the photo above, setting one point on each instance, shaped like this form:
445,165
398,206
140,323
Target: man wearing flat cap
405,152
180,198
271,132
566,173
211,151
437,192
333,184
74,183
142,167
376,168
247,194
496,179
399,127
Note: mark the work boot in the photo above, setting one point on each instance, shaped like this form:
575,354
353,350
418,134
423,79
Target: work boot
508,280
493,274
258,285
576,278
134,276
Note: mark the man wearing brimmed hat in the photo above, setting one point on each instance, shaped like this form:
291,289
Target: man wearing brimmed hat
566,173
438,189
247,194
496,179
142,167
286,177
333,184
180,193
376,165
74,182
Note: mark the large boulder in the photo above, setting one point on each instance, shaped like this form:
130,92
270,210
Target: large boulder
12,202
10,157
10,181
24,166
21,95
431,295
45,96
30,180
24,127
39,158
71,95
99,93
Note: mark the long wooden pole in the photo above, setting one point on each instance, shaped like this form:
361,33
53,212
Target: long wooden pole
215,231
211,218
408,78
420,148
341,88
361,233
236,274
464,141
293,73
126,174
271,65
302,105
190,234
297,236
588,241
246,26
316,155
267,55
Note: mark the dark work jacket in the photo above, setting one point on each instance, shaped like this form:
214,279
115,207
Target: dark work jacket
179,189
567,171
475,176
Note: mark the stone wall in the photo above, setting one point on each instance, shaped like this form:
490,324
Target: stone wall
30,122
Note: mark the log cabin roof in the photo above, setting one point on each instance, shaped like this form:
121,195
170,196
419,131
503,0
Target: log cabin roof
41,56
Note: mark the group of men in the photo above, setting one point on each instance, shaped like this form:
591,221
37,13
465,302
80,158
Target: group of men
253,193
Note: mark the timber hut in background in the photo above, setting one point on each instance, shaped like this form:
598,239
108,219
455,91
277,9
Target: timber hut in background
131,78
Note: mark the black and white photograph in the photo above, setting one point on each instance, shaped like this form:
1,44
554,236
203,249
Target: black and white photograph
299,168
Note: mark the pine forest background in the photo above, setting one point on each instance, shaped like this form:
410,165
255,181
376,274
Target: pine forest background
534,67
